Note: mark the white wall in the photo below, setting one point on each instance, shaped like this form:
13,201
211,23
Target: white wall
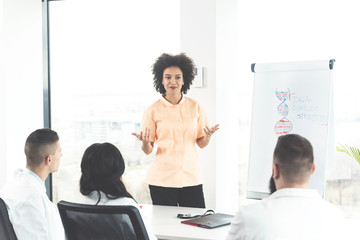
2,101
227,108
20,80
208,35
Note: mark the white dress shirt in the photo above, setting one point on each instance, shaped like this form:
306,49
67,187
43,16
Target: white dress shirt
288,214
31,213
93,197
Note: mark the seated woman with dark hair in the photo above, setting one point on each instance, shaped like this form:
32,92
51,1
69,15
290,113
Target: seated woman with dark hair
102,167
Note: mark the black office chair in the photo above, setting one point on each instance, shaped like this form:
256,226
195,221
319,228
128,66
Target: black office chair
6,228
86,222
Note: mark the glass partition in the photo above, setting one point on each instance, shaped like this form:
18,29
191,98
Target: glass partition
101,54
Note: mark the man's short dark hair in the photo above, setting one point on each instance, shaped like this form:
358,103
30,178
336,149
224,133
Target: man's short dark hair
295,158
39,144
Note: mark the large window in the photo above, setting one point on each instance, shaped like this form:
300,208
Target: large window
282,30
101,54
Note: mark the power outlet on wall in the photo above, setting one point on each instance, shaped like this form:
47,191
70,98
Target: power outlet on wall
199,81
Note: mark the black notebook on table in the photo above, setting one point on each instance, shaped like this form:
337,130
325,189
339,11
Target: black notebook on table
210,221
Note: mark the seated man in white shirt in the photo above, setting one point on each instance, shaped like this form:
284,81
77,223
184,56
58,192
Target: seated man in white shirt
293,211
31,213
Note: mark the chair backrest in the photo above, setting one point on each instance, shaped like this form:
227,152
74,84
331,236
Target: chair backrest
82,221
6,228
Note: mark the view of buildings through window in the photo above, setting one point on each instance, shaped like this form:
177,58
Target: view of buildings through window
101,78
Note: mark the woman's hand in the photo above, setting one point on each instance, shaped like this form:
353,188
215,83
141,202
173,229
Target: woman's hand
204,141
144,137
210,131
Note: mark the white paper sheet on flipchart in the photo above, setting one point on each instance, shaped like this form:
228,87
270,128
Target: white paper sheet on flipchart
310,112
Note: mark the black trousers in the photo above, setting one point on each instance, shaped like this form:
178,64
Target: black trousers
184,197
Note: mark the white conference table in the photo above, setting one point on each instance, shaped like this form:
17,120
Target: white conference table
166,225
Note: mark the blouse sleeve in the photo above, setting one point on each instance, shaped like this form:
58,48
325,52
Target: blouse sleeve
149,122
202,122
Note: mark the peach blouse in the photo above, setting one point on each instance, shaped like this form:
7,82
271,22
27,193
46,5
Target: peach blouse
174,129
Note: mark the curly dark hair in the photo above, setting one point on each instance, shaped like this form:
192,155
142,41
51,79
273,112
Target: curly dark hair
182,61
102,165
